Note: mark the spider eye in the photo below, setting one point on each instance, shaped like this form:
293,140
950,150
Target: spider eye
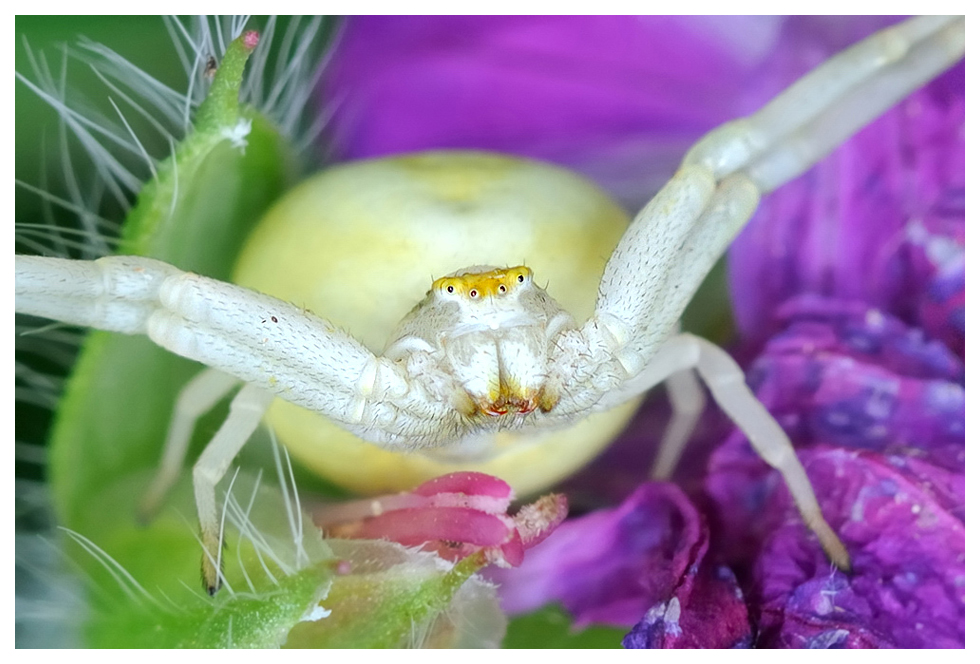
520,278
474,293
450,289
502,288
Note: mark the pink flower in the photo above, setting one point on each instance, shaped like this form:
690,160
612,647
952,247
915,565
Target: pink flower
455,515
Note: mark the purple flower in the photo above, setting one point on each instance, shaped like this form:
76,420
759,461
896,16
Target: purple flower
848,290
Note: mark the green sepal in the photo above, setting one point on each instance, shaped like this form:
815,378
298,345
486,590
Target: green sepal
110,427
195,214
151,600
397,598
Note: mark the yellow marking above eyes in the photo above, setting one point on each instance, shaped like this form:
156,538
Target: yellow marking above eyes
482,284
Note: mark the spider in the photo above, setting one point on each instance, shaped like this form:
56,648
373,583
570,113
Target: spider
488,350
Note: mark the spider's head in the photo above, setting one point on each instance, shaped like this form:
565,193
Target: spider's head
484,299
494,334
488,329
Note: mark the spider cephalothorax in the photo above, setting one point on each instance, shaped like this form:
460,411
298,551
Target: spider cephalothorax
488,333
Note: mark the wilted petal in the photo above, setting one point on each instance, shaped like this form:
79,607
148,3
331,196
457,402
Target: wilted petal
847,376
643,562
905,537
877,414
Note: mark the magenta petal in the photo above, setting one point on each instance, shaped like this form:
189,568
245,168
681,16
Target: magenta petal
467,489
508,554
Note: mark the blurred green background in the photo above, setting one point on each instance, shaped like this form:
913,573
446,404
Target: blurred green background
141,39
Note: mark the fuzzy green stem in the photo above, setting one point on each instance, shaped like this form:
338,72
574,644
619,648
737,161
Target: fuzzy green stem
221,106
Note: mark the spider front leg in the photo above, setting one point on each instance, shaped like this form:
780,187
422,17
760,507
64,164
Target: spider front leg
668,249
275,347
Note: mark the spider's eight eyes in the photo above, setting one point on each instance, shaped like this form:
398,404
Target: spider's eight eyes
479,285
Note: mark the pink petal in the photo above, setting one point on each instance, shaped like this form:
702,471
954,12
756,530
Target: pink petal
455,524
467,483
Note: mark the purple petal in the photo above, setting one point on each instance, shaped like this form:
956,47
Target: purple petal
906,542
907,588
879,414
881,220
644,562
619,98
847,375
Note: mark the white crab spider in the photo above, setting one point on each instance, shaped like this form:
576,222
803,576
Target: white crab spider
488,349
